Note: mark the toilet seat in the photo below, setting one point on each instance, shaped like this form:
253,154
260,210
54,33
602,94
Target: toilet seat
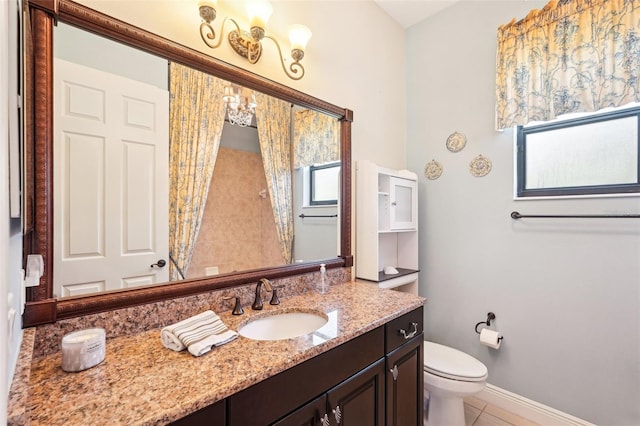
452,364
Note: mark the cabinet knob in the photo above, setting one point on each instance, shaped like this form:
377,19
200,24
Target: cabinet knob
324,421
411,334
394,372
338,414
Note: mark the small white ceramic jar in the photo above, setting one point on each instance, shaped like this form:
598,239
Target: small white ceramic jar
83,349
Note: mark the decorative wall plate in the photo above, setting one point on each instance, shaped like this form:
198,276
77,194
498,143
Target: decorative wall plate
480,166
432,170
456,141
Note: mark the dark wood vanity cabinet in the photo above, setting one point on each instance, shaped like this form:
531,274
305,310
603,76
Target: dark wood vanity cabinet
373,380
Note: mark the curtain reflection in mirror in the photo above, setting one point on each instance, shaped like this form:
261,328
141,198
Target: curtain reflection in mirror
316,138
196,123
273,117
196,119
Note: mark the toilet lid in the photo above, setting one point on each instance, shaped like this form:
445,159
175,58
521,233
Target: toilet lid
453,364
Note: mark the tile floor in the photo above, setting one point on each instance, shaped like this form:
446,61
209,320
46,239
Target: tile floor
478,413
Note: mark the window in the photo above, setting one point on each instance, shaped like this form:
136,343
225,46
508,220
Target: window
324,184
595,154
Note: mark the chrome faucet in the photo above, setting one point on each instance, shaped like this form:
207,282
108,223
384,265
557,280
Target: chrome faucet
257,303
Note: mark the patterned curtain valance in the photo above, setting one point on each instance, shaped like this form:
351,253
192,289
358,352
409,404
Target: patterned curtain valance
316,138
571,56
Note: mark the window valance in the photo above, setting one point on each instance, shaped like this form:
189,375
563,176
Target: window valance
570,56
316,137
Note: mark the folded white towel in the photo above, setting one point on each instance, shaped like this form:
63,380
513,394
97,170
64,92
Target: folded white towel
201,331
205,345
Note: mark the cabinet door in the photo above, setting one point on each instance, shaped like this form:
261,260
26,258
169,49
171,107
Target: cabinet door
405,379
311,414
359,401
403,196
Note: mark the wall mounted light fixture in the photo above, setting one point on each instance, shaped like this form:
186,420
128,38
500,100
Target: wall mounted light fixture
249,44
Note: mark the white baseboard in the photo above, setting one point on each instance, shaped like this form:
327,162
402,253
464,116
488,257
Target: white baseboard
528,409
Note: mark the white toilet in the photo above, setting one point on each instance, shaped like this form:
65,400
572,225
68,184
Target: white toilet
449,376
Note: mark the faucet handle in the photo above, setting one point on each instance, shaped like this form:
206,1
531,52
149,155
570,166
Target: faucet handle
274,296
237,309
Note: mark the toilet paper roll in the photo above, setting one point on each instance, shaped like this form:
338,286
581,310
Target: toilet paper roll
491,338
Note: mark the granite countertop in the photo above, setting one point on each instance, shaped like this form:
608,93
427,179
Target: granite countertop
142,382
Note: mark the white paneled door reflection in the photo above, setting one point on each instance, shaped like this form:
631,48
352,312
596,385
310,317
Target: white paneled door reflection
110,181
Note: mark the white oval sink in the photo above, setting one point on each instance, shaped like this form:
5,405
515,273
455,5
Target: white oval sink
286,325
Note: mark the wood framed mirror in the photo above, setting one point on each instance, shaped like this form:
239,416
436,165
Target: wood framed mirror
42,15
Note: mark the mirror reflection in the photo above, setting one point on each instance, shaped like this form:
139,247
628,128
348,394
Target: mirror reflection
153,183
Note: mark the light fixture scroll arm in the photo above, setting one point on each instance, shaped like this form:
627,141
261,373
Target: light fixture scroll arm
295,66
208,34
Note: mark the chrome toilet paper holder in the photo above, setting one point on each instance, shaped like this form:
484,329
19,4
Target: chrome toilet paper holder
490,317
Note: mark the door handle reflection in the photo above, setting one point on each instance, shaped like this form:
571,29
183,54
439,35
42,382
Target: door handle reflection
160,264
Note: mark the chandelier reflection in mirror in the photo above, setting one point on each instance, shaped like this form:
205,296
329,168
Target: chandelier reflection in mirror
240,105
249,44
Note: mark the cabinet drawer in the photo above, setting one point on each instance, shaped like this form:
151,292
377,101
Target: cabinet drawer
394,336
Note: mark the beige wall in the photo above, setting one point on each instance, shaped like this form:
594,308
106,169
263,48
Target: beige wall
355,59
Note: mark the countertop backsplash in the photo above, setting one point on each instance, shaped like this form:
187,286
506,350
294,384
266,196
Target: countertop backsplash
136,319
